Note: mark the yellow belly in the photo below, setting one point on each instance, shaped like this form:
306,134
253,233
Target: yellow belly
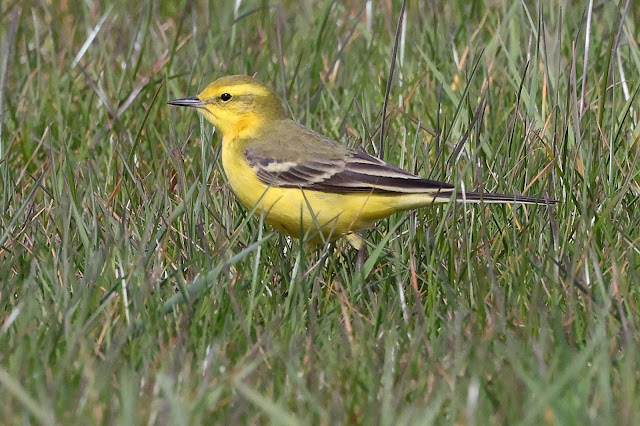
312,215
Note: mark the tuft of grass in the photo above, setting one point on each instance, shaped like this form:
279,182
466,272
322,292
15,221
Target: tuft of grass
135,289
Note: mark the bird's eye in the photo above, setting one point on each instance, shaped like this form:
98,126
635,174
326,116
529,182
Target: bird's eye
225,97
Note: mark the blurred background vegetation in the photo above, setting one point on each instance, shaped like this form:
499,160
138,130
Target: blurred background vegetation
134,288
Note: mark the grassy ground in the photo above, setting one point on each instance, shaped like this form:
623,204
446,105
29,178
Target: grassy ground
135,289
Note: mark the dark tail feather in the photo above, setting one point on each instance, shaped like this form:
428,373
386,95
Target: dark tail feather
485,197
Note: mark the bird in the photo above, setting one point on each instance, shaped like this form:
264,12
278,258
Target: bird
305,184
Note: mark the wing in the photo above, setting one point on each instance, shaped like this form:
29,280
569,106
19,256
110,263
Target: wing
354,171
290,155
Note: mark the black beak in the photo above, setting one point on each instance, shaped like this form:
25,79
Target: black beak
193,102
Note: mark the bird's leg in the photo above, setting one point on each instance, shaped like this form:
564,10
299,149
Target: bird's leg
359,244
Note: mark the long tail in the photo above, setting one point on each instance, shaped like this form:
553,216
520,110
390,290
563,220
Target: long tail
484,197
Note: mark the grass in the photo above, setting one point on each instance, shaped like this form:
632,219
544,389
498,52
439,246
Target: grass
135,289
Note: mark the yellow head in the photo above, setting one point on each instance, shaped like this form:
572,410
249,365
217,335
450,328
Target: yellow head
237,105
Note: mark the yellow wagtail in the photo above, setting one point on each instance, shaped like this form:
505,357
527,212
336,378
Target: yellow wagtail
304,183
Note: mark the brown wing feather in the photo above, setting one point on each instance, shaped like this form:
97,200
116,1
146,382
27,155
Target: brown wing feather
356,172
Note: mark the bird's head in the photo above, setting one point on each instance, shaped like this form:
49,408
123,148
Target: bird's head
237,105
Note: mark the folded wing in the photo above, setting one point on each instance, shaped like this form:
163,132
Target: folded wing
356,172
